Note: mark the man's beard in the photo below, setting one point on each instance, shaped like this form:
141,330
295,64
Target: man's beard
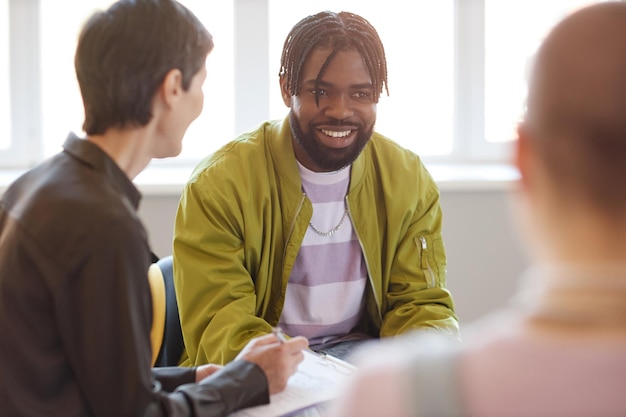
326,158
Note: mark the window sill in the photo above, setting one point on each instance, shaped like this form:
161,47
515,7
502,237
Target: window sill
169,181
453,177
450,177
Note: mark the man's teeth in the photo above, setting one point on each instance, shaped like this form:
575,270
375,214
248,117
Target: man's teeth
335,134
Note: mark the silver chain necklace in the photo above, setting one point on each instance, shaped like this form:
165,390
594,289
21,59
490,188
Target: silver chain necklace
333,230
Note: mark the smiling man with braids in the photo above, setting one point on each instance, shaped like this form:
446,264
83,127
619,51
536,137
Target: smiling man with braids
315,223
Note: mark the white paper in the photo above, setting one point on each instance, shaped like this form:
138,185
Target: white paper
316,381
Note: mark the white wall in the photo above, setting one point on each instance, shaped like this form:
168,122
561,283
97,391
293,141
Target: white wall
485,256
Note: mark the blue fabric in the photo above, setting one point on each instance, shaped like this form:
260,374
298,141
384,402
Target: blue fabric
173,345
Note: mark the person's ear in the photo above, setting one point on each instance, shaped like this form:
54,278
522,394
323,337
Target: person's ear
522,154
284,91
172,87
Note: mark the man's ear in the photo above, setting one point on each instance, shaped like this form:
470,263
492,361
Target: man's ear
172,87
284,91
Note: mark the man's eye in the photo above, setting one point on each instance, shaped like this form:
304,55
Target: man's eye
362,95
319,92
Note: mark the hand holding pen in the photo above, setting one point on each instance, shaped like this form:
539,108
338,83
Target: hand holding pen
278,333
277,360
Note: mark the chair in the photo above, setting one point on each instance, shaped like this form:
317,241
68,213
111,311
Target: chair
166,336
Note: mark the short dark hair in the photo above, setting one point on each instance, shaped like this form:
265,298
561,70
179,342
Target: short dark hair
339,32
125,52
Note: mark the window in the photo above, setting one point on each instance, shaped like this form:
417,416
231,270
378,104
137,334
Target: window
513,32
19,103
5,114
456,71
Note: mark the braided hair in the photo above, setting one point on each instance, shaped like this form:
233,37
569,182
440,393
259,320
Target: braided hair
339,32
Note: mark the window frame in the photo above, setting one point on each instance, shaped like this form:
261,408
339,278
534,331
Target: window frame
251,90
25,148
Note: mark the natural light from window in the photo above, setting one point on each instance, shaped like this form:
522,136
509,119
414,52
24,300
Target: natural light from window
513,32
428,107
5,97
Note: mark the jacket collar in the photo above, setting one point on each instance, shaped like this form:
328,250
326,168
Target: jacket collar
90,154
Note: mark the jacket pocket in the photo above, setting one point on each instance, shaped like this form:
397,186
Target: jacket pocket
431,256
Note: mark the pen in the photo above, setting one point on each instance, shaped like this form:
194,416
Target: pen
278,332
338,364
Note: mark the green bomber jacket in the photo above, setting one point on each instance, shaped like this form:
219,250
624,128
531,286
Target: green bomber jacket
242,217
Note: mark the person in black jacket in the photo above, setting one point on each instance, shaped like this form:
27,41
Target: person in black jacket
75,304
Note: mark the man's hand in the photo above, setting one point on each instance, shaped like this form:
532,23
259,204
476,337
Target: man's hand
279,360
206,370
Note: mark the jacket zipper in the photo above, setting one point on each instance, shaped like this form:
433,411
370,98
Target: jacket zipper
293,224
367,265
425,264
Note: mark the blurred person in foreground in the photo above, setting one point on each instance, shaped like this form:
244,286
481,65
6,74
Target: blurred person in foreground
75,303
560,348
321,225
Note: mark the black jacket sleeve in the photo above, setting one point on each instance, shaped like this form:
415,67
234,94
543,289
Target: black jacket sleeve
172,377
238,385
